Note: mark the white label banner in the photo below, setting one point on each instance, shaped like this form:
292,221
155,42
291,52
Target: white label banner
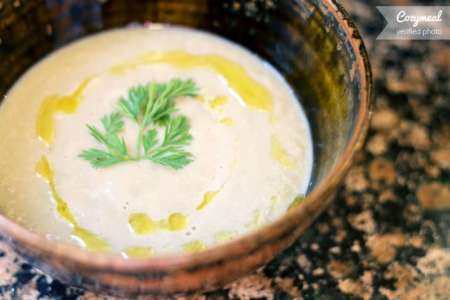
415,22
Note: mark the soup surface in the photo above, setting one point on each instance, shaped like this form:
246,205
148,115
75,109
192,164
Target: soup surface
241,151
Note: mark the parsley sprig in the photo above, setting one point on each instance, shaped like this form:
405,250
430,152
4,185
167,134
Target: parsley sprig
151,107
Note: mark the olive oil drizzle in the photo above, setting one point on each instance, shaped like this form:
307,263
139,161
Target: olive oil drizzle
296,202
194,246
224,236
253,94
90,240
218,102
138,252
227,121
280,154
256,220
45,124
208,197
142,224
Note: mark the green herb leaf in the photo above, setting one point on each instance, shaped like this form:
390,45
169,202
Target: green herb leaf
132,106
99,158
150,140
113,123
97,134
179,88
117,146
177,132
150,106
170,153
138,96
160,104
171,157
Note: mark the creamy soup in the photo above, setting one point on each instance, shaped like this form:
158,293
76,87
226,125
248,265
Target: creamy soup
245,158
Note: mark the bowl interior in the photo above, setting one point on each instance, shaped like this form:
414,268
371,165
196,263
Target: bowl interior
301,39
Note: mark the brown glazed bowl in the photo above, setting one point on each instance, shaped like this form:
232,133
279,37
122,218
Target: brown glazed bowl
312,43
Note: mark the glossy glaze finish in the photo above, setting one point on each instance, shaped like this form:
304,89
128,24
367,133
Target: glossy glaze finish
312,43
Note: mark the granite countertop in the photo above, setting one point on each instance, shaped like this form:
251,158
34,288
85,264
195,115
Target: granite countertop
387,235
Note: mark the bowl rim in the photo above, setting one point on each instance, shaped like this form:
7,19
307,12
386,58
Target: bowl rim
247,242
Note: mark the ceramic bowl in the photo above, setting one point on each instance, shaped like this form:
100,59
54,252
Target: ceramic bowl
313,43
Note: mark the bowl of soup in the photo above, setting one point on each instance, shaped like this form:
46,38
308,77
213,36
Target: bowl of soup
163,147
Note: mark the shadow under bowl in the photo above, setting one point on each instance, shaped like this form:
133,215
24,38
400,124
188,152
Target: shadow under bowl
312,43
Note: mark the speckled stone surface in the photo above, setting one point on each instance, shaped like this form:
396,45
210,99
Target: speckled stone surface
387,235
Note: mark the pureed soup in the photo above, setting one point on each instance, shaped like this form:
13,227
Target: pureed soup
147,141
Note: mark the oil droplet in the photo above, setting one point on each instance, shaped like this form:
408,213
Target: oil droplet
208,197
255,221
90,240
274,200
44,170
253,94
142,224
177,222
194,246
137,252
299,199
227,121
280,154
200,99
218,102
224,236
45,123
